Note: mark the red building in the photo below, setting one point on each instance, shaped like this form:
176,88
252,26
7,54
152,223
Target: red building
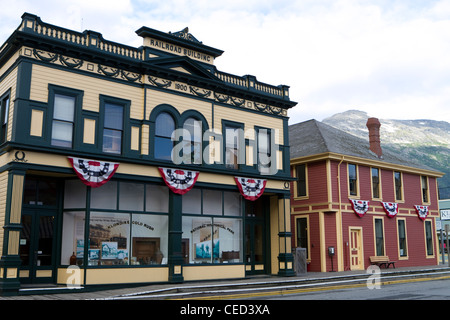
352,201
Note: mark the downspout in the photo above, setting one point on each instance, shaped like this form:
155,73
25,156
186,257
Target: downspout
340,202
339,183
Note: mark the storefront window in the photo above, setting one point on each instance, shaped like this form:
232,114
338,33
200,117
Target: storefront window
212,240
115,237
104,197
73,237
131,196
74,194
149,239
156,198
212,227
192,201
109,237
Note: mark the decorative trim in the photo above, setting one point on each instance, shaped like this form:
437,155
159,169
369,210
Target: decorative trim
360,206
391,208
184,34
422,212
179,181
250,188
71,62
163,84
93,173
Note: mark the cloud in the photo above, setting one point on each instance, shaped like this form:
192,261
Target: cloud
384,55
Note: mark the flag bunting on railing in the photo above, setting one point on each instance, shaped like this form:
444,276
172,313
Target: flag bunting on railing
179,181
93,173
360,206
250,188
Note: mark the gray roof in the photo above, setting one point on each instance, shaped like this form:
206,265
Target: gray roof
314,137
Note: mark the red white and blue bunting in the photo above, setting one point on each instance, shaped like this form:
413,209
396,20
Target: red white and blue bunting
360,206
93,173
179,181
250,188
391,208
422,211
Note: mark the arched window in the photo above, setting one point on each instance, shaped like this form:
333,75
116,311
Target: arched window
164,126
193,153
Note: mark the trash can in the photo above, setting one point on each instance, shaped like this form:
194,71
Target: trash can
300,262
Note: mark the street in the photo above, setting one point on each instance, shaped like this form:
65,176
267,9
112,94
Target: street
415,290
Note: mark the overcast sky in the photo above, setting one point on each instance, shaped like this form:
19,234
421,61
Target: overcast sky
390,58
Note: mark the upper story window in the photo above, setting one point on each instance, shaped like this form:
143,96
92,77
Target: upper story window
376,183
232,145
300,171
193,151
113,128
63,120
4,109
352,179
264,151
398,185
164,127
425,195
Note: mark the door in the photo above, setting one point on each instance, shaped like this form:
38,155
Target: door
356,254
255,237
37,246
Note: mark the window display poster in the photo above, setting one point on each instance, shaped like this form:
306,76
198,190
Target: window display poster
109,250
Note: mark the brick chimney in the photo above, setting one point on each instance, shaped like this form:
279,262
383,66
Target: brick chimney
373,124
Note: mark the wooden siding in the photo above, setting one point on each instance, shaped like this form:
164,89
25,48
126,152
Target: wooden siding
92,87
3,192
314,206
9,83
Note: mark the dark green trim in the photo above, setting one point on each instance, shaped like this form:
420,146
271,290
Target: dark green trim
175,258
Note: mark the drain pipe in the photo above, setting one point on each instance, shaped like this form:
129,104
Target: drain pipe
340,202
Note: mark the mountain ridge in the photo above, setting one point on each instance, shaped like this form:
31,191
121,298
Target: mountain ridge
424,140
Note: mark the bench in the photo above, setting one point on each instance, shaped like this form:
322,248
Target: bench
382,260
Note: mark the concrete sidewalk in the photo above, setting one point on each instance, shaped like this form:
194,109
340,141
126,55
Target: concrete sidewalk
193,289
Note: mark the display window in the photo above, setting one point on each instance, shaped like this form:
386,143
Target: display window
212,227
127,224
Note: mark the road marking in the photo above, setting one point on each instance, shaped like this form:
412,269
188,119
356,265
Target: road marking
286,291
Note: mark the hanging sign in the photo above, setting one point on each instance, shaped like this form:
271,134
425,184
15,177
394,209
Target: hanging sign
422,211
179,181
250,188
360,206
391,208
93,173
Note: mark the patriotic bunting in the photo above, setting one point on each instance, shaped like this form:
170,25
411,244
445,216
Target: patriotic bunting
93,173
422,211
179,181
360,206
250,188
391,208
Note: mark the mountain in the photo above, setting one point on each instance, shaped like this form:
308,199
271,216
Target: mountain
427,141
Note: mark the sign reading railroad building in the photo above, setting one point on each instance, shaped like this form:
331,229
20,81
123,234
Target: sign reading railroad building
172,48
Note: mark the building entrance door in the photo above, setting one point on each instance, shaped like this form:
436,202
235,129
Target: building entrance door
255,237
356,254
37,246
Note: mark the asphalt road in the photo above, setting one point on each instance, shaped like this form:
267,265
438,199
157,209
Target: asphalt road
429,289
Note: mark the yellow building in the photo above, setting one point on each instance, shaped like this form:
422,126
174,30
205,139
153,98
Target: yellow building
123,165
